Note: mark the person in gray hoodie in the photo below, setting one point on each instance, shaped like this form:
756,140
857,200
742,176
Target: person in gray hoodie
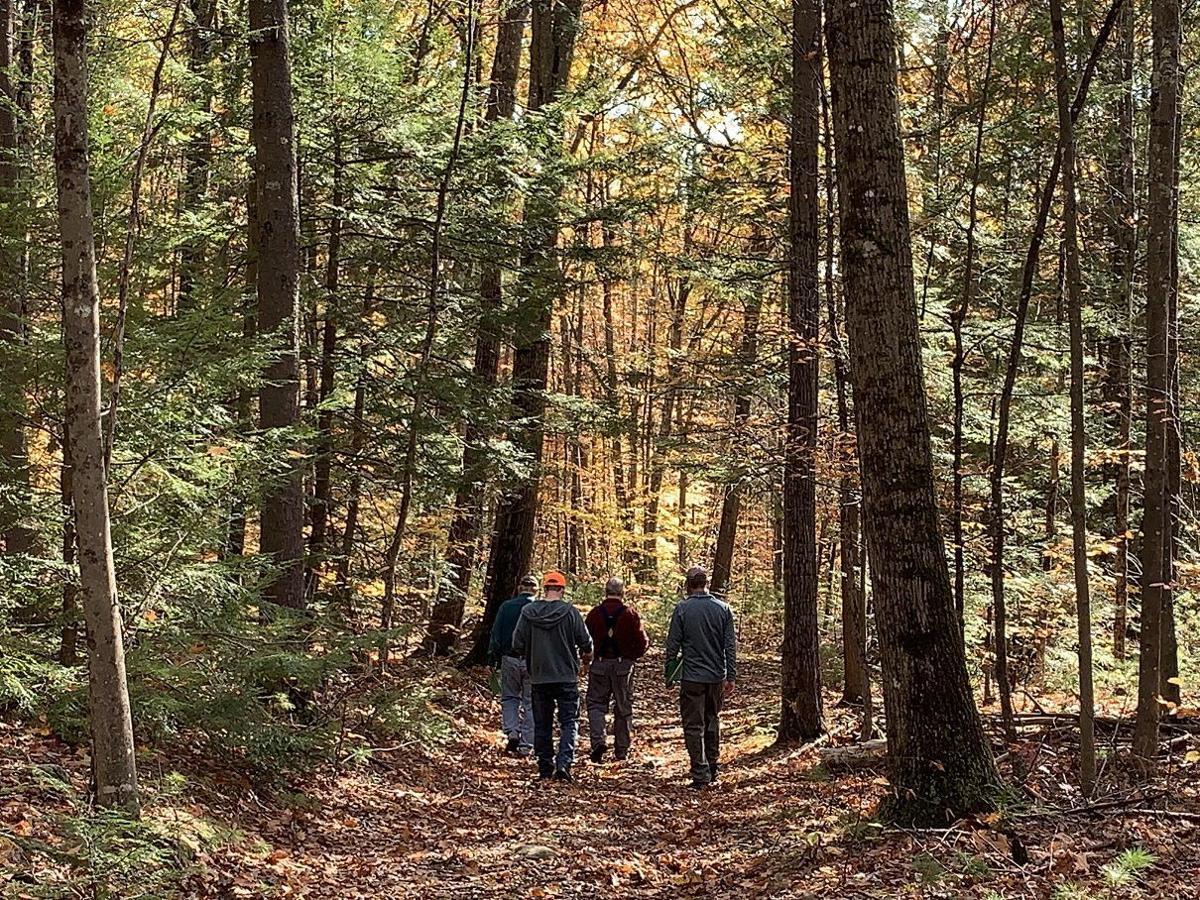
552,637
702,632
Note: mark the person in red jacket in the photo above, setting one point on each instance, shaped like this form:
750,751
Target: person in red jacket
619,641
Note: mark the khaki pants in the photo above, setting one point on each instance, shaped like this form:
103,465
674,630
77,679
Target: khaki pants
700,705
610,680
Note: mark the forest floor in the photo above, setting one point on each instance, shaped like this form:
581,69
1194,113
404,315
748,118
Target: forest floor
463,821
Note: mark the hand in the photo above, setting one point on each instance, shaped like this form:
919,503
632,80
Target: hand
729,689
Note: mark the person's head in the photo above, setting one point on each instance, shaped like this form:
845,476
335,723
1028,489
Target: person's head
615,589
527,585
554,585
697,580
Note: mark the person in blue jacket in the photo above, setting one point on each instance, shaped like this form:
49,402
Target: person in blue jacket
516,691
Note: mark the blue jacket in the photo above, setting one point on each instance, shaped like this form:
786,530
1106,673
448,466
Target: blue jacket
702,632
502,628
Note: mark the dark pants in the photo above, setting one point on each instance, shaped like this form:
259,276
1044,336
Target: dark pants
610,681
563,697
700,707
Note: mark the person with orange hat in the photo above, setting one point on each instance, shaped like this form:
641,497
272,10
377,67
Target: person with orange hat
553,638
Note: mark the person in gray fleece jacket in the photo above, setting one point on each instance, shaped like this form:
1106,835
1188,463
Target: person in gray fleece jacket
553,638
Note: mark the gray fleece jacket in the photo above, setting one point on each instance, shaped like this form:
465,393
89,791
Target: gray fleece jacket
702,632
551,635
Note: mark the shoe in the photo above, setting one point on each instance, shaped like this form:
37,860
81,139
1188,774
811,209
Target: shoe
712,771
514,744
621,755
597,755
699,785
545,776
525,751
563,775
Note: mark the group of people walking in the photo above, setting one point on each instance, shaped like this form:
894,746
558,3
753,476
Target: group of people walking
541,644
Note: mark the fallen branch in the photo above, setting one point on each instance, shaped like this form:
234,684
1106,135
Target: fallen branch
867,755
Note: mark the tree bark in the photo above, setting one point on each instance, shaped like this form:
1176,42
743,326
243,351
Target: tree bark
1161,218
938,755
114,766
273,132
801,717
1066,140
16,535
555,25
445,622
198,155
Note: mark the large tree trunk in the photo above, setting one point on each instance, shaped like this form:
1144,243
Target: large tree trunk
555,25
273,131
939,759
445,622
16,535
1087,736
114,765
1161,218
801,717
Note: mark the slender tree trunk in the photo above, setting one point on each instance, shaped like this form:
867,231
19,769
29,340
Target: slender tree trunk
1007,391
731,501
801,717
958,317
1083,605
16,535
1123,225
198,155
1172,540
1161,218
445,622
323,467
235,540
114,765
554,29
68,650
273,132
939,759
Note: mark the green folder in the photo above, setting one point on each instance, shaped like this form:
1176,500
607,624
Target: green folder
494,682
673,670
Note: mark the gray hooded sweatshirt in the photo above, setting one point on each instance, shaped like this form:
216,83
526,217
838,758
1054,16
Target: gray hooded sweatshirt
551,635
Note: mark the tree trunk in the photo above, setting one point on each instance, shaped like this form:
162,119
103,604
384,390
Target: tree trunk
16,535
1123,228
958,317
323,467
731,501
114,765
198,155
1004,414
235,540
1161,218
801,717
1087,736
939,759
273,131
555,24
445,622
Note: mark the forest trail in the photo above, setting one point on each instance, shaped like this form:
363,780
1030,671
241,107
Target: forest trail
467,822
474,823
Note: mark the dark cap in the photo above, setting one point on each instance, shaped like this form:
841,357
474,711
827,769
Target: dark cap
697,579
528,581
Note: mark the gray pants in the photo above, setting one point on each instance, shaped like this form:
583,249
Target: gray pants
610,680
700,705
516,704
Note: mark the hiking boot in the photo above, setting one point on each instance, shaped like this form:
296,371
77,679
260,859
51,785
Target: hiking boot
525,751
563,775
621,755
514,744
698,785
712,772
597,755
545,776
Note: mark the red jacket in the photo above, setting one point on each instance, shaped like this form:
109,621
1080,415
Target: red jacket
628,634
